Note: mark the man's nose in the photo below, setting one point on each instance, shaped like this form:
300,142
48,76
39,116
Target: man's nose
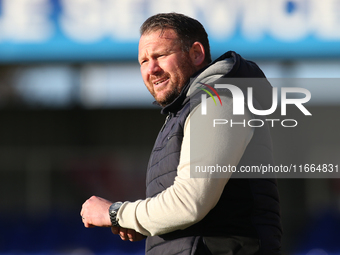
154,67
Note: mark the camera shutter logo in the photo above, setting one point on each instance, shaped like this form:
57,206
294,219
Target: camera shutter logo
204,98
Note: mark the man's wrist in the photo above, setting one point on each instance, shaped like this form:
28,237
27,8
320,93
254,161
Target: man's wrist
113,211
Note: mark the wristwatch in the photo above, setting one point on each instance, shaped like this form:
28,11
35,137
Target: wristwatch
113,213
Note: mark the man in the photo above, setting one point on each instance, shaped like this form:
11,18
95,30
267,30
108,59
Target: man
183,215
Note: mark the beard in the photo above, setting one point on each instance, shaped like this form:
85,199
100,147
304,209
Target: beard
169,97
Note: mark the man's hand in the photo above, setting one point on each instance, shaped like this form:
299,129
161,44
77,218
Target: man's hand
127,234
95,212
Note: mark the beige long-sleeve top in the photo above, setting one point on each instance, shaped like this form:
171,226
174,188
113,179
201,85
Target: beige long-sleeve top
189,200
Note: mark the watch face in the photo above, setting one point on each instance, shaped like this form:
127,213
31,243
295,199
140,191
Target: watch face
115,206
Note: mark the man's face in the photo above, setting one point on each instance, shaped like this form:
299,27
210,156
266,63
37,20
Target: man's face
165,67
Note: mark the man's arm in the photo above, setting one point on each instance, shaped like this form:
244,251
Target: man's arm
189,200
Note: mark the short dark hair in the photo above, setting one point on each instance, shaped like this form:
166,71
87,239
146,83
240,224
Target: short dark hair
187,29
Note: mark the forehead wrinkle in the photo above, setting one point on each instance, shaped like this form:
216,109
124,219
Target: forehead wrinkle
166,34
163,33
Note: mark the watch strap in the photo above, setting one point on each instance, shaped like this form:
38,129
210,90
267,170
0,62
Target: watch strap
113,210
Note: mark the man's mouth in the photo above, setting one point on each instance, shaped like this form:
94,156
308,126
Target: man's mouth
160,81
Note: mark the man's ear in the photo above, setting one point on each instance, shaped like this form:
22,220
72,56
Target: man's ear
197,54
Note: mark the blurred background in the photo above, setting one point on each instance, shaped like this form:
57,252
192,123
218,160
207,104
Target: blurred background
72,100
